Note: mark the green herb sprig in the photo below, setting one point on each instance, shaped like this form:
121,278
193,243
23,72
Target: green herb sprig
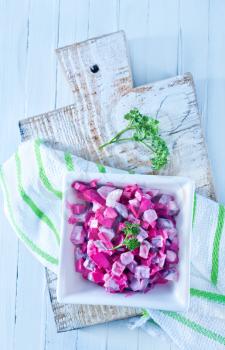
145,130
130,241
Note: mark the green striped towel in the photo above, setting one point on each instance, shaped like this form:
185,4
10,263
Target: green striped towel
32,183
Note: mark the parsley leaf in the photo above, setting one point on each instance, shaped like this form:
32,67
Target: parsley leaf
130,241
145,130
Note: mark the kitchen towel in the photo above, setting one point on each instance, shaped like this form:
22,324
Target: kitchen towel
32,186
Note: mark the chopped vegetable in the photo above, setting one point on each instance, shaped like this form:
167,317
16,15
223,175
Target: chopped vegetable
125,239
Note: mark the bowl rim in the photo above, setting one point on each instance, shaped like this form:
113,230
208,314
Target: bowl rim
81,175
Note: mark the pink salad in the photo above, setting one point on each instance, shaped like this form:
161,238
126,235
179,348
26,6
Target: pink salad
125,239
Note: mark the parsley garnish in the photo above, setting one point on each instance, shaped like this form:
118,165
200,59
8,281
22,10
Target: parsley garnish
145,130
130,241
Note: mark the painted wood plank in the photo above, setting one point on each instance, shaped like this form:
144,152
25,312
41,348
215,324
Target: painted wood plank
52,287
39,95
133,19
180,128
162,39
12,69
73,26
98,10
120,338
216,93
193,47
73,23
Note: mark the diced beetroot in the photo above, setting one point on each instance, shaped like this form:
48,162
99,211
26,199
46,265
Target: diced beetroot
93,233
126,258
78,235
72,220
78,208
138,194
144,225
110,213
144,249
105,245
79,265
133,219
145,205
78,252
117,268
115,284
93,183
83,247
154,269
79,186
162,259
110,284
97,276
99,229
101,260
134,202
149,259
129,191
92,195
134,210
121,227
108,223
96,206
106,232
88,264
91,248
93,223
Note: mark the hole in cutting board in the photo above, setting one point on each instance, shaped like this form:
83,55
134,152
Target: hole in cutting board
94,68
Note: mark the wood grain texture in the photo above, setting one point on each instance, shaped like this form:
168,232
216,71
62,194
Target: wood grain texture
68,316
172,101
169,37
102,115
107,96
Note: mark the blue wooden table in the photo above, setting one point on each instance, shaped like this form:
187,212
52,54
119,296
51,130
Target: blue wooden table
166,37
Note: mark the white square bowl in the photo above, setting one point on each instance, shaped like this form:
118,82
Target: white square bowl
173,296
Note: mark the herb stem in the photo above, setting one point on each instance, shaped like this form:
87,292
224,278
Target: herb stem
116,137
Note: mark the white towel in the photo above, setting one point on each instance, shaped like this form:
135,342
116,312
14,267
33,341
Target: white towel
32,182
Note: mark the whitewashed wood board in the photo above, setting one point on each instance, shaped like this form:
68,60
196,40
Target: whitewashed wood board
83,127
68,316
172,101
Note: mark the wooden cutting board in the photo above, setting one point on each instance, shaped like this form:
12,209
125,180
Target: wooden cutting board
99,73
